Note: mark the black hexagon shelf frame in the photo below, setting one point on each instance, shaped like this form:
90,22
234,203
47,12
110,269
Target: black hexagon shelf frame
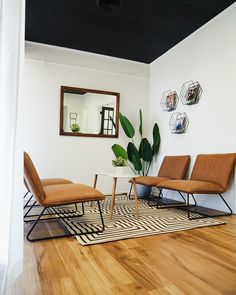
190,92
178,123
169,101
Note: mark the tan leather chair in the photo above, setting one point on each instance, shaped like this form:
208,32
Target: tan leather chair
46,181
30,205
172,167
55,195
210,175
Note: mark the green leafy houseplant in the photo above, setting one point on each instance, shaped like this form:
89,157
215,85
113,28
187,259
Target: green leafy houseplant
75,127
139,159
119,162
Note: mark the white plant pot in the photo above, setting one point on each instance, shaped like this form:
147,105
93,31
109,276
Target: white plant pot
119,170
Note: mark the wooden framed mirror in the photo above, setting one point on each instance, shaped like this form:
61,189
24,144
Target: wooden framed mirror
89,112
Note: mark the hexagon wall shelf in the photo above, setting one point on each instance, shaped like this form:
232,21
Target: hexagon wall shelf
178,123
190,92
169,101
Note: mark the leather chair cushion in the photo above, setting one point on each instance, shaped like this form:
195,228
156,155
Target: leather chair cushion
148,180
192,186
70,193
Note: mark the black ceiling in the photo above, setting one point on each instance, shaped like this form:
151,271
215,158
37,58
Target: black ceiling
141,30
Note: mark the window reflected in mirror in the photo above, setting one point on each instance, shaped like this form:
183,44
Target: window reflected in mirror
89,112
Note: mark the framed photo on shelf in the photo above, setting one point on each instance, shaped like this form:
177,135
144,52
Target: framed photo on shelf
190,92
169,101
178,123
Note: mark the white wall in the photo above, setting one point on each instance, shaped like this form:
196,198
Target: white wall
207,56
46,69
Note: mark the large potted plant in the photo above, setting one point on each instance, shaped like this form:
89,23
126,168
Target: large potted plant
139,156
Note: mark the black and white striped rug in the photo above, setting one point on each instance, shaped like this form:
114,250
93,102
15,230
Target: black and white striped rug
124,224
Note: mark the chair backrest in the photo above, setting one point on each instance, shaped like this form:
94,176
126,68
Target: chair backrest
174,167
215,168
32,179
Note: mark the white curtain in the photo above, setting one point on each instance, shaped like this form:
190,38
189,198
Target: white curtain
11,164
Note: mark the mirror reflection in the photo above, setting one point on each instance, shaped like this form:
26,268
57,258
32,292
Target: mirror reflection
89,112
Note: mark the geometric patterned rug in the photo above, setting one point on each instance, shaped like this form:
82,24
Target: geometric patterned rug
124,224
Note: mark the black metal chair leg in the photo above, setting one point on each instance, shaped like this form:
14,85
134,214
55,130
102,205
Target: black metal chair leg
27,212
68,234
195,202
25,194
52,214
26,204
188,206
160,196
150,199
182,196
76,208
169,204
45,238
230,210
100,212
204,215
33,226
28,201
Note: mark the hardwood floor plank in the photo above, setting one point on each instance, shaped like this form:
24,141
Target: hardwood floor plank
195,262
177,269
136,265
129,289
168,290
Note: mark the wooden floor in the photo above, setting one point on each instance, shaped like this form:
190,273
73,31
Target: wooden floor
199,261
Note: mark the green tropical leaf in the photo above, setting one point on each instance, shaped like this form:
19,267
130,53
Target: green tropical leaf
134,157
141,123
145,150
156,134
156,139
127,126
155,149
119,151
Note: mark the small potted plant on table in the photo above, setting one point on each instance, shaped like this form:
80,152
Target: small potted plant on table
119,164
